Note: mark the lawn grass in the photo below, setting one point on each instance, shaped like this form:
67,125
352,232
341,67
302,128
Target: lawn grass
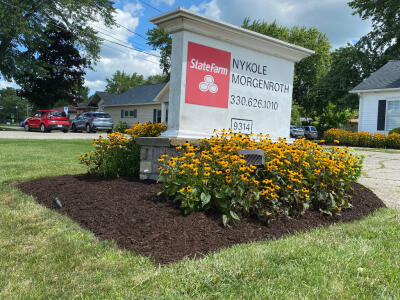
46,255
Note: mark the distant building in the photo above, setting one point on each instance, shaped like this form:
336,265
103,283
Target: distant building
143,103
97,99
379,109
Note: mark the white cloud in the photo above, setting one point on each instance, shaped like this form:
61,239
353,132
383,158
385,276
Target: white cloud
210,9
115,57
168,2
333,17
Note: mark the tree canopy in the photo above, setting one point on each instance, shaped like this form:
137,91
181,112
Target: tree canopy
120,82
24,23
64,67
310,70
13,107
383,42
160,39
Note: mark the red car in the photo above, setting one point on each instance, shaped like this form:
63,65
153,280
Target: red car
47,120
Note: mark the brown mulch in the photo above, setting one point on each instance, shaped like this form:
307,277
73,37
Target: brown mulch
129,212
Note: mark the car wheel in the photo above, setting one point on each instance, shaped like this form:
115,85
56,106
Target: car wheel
65,130
73,128
27,128
43,128
88,129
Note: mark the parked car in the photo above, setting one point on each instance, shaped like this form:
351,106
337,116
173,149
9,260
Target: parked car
93,121
296,132
310,132
47,120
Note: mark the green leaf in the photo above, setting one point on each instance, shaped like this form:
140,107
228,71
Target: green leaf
225,220
205,198
234,215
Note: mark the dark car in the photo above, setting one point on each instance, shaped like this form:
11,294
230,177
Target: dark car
93,121
296,132
310,132
47,120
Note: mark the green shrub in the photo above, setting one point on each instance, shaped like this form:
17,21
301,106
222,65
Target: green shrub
295,177
395,130
118,154
121,127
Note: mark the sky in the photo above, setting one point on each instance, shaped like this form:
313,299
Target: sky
333,17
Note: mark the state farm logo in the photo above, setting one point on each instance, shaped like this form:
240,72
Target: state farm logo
207,76
208,85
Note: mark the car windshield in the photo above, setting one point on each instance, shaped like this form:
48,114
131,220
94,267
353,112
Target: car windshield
102,116
313,128
57,114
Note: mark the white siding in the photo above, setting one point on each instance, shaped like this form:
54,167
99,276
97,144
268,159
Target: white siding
368,109
144,113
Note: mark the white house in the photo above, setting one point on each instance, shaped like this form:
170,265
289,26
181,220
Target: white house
379,109
143,103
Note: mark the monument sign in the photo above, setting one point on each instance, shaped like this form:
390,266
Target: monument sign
223,76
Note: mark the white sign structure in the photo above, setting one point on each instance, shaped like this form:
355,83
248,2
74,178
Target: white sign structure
223,76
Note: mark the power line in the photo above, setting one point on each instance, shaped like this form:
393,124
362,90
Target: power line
108,46
151,6
122,45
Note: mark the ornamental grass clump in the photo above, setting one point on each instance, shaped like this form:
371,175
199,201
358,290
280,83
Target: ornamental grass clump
295,177
118,154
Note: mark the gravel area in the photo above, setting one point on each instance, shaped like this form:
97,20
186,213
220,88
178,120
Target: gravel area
49,135
381,174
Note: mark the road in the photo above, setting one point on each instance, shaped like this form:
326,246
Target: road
49,135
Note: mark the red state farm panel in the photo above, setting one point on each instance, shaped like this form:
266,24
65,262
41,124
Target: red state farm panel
207,76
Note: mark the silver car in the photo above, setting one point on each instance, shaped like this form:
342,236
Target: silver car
310,132
93,121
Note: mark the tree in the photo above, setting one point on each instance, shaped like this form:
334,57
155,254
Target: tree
152,79
24,23
383,42
120,82
160,39
310,70
63,65
13,106
349,67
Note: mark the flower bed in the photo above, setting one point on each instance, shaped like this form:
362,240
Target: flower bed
362,139
295,177
118,154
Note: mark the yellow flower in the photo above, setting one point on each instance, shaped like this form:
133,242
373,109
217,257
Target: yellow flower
336,141
172,163
189,189
228,179
182,190
207,174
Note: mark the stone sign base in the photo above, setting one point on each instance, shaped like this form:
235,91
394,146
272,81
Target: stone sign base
151,150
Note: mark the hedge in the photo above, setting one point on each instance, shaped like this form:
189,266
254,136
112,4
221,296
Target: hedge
362,139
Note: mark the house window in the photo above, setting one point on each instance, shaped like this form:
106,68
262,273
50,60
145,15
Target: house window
392,114
131,113
135,113
126,113
157,115
122,113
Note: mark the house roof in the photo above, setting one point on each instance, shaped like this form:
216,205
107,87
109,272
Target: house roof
96,97
387,77
141,94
